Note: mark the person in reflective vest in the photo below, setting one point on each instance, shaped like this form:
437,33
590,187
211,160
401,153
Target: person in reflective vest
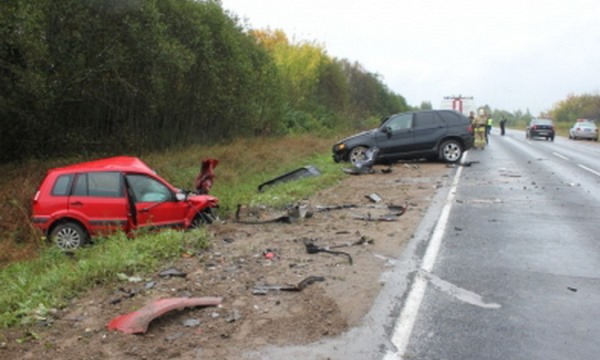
488,128
480,129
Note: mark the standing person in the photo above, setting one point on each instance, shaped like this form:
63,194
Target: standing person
502,126
480,129
488,128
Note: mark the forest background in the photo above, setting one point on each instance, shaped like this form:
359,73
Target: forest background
82,79
95,77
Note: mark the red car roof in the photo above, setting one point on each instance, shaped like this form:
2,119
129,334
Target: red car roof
117,163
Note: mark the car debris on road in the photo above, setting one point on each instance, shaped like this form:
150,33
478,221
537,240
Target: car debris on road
264,289
137,322
301,173
311,248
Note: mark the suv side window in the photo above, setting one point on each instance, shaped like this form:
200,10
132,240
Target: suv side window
62,186
100,184
452,118
428,120
400,122
147,189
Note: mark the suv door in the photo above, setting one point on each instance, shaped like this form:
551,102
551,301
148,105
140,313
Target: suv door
429,128
155,203
99,199
395,135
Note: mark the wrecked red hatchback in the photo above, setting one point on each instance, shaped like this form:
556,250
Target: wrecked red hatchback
80,201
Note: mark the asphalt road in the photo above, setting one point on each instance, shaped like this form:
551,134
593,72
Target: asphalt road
517,270
504,265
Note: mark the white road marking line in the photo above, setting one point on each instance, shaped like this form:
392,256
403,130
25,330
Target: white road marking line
406,321
580,165
459,293
588,169
560,156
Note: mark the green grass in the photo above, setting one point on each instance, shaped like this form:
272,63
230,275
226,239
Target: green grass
31,288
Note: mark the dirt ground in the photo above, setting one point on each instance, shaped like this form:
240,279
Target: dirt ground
248,263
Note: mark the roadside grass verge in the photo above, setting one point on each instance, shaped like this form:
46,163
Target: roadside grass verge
32,286
31,290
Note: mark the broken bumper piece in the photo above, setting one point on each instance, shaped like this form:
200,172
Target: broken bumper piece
137,322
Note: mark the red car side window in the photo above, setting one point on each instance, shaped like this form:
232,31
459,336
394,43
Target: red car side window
99,184
62,186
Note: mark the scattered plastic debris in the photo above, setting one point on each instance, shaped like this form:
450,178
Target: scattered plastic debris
137,322
301,173
295,213
335,207
131,279
269,254
126,294
264,289
374,198
464,164
362,241
235,316
311,248
383,218
172,273
191,322
411,166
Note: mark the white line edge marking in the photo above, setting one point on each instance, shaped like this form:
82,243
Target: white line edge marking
560,156
597,173
588,169
407,318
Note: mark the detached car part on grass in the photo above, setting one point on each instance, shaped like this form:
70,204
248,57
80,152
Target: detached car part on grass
301,173
204,181
77,202
138,321
430,134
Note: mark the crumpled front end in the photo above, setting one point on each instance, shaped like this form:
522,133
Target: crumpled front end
340,152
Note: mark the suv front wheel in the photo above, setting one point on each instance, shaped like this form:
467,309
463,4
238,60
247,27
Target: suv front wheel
450,151
68,236
358,153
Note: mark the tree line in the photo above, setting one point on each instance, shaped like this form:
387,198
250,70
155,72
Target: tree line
108,76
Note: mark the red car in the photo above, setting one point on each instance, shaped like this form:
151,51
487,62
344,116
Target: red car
80,201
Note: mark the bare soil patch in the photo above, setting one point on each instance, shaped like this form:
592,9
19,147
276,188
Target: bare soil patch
244,257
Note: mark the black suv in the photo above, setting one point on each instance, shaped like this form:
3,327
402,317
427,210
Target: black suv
430,134
540,128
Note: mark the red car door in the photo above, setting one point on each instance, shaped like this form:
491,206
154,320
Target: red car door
98,200
155,203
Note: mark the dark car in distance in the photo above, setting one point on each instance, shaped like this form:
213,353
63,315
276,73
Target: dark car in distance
540,128
428,134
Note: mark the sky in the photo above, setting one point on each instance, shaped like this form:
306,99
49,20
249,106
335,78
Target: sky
511,55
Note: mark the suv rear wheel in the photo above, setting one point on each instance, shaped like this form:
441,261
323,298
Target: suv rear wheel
68,236
450,151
